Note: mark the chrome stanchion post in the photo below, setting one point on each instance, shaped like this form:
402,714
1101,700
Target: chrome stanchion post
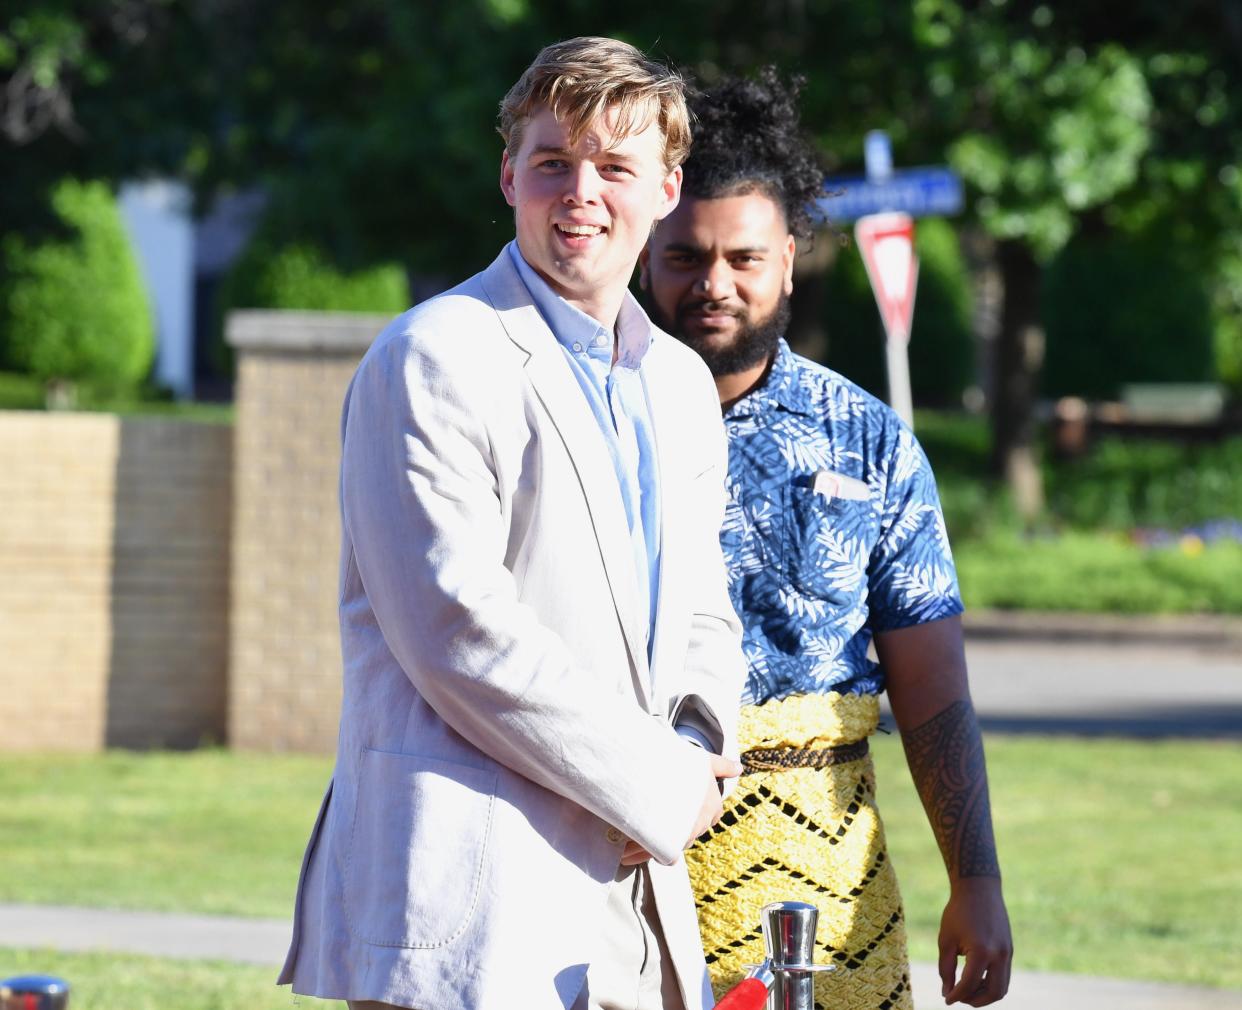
787,976
789,942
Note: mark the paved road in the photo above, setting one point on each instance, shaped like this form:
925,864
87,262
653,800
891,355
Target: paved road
263,942
1154,689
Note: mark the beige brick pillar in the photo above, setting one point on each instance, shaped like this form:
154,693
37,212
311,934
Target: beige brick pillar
285,667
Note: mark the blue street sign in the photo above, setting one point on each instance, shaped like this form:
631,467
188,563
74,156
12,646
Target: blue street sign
919,192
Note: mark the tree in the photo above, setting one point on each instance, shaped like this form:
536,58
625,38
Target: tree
1125,118
88,90
1046,133
370,123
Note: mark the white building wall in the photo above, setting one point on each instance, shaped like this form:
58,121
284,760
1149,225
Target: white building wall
158,217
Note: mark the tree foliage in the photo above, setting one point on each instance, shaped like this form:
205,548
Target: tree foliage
1117,313
100,90
370,123
376,118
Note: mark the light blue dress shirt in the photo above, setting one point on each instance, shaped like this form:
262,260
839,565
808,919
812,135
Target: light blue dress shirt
617,395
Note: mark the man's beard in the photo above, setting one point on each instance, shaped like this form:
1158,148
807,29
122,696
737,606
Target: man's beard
752,342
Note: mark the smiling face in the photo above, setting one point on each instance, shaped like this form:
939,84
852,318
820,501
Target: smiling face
719,272
583,211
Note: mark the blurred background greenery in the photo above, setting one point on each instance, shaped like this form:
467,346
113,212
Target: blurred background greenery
1101,243
1100,246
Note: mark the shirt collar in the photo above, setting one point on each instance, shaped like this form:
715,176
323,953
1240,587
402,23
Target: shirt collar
780,390
579,333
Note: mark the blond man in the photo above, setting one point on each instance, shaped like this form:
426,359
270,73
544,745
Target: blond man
541,663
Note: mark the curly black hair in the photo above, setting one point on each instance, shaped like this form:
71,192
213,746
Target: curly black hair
748,137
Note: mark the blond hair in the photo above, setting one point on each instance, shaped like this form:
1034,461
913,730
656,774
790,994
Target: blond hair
580,79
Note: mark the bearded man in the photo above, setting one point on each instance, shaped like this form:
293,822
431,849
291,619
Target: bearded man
835,540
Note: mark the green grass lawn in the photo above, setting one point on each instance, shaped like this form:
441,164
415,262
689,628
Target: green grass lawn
126,982
207,831
1119,857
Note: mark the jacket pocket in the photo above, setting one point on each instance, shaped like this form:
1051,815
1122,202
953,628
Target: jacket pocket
417,849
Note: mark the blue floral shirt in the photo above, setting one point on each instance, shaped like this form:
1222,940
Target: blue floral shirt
833,531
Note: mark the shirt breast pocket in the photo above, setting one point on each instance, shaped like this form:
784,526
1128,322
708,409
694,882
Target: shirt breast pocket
826,546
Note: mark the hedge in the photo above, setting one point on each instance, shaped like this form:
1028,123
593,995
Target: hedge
75,306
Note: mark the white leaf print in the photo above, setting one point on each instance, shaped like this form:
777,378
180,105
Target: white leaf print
907,462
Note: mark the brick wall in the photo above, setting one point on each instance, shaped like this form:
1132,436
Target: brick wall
113,581
285,666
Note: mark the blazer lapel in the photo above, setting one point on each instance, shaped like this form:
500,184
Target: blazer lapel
560,395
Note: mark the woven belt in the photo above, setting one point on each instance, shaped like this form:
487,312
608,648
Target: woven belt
775,759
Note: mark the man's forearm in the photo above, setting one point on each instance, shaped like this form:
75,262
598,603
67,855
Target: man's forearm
945,755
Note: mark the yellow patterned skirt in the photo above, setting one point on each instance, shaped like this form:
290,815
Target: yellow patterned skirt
806,834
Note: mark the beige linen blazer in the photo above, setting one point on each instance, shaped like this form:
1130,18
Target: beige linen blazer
502,732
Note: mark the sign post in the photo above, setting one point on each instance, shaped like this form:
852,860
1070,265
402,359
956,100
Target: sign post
886,242
883,206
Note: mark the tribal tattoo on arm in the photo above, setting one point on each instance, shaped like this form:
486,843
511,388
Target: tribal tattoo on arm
945,755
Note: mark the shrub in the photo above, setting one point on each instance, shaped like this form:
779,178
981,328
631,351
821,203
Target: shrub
1121,484
1098,572
301,276
21,392
75,306
1126,484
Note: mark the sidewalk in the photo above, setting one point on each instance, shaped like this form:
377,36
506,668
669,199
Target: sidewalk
1215,632
263,942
